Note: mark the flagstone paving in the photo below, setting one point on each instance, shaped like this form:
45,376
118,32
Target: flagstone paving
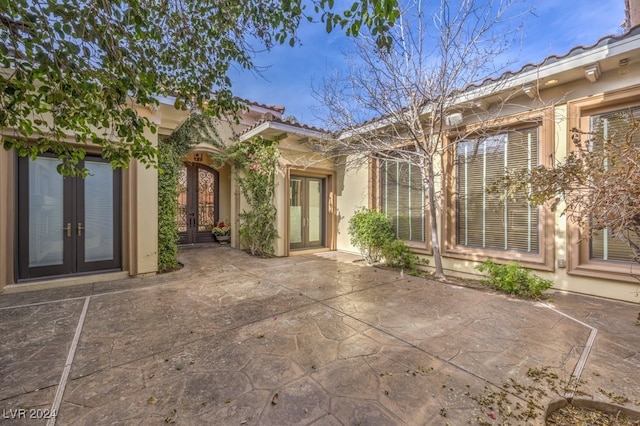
311,339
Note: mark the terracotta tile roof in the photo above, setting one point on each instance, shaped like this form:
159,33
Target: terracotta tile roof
276,108
271,118
606,40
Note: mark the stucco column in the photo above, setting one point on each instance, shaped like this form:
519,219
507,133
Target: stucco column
7,176
143,213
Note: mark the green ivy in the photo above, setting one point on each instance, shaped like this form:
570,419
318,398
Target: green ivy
255,164
196,129
513,279
169,163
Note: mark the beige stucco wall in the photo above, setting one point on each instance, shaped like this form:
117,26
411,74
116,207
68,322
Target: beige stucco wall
562,279
353,189
139,222
281,202
6,217
225,199
143,213
352,194
293,157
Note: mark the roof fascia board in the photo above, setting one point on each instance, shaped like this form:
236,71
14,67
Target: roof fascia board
287,128
573,62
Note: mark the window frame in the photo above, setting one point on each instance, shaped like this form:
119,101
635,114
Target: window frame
376,201
542,260
579,261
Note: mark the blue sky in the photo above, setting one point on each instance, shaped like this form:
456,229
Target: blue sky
554,28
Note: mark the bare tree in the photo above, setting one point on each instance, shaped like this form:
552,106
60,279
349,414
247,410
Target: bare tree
404,104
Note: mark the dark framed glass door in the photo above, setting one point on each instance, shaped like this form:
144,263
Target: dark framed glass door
197,203
68,225
306,212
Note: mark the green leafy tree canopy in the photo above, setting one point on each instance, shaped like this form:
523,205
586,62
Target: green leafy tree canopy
72,71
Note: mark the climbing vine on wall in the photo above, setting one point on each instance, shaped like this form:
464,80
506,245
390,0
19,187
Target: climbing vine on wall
196,129
255,163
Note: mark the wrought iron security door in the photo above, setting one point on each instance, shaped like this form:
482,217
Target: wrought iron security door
197,203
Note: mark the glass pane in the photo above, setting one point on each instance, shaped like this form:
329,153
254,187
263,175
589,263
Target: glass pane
315,210
46,225
295,211
206,207
181,213
98,212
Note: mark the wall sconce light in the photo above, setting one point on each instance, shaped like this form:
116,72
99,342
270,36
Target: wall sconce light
197,157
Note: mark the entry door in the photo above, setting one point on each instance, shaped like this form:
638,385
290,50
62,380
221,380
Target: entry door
197,203
67,225
306,212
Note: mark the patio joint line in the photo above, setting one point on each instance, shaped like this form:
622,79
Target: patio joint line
199,339
29,305
414,346
582,361
67,367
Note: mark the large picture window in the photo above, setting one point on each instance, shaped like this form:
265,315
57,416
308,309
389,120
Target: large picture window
485,220
610,125
402,199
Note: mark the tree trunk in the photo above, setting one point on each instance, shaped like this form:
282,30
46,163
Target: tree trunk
433,205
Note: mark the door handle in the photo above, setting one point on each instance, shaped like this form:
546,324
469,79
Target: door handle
68,229
80,229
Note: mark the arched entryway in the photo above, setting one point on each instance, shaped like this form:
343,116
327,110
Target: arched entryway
198,189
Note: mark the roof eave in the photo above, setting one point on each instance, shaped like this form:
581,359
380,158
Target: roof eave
285,128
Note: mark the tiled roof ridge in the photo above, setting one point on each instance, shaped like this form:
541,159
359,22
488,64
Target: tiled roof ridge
277,108
272,118
608,39
576,50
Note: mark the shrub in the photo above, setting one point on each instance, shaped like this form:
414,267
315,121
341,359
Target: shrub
513,279
370,232
398,255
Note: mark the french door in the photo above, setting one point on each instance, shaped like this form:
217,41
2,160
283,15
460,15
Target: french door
197,203
67,225
306,212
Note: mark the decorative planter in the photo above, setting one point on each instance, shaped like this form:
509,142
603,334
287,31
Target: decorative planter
594,405
223,239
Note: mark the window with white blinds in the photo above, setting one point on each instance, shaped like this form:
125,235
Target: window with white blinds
402,199
483,220
612,124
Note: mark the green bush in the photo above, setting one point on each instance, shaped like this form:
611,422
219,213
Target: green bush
370,232
398,255
513,279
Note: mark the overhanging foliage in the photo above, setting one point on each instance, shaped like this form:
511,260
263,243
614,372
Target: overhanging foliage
72,72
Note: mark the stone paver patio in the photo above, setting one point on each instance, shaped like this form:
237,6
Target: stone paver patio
312,339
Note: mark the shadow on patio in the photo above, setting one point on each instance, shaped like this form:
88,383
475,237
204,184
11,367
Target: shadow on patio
312,339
